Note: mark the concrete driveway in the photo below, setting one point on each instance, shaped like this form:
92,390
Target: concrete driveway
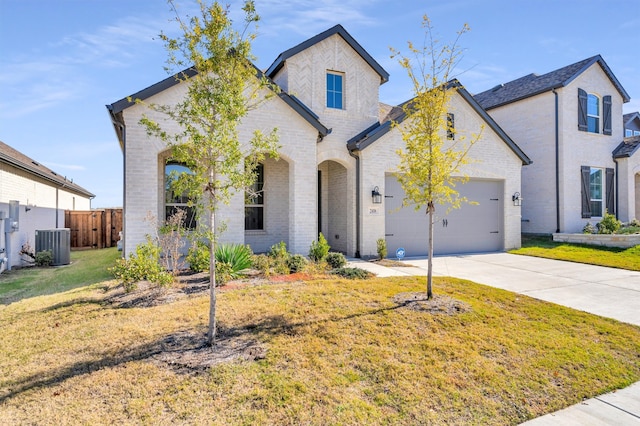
608,292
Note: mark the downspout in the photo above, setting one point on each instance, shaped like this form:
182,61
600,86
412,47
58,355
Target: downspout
351,153
617,206
557,136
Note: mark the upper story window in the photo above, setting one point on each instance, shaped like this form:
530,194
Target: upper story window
175,201
254,203
451,126
593,113
335,90
629,132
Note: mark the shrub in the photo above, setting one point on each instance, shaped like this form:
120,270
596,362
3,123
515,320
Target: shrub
336,260
635,223
224,272
589,229
279,250
296,263
198,257
235,257
319,249
44,258
262,263
144,264
609,224
279,259
352,273
382,248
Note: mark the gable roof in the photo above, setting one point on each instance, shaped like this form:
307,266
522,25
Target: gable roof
398,115
339,30
17,159
627,148
628,118
117,107
533,84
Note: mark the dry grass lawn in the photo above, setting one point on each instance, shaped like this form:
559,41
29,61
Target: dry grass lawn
335,352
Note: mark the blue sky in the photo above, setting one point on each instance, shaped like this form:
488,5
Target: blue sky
62,61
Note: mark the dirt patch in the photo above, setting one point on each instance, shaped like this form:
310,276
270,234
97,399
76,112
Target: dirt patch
189,353
439,304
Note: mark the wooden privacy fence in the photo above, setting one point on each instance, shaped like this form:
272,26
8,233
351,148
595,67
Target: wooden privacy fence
98,228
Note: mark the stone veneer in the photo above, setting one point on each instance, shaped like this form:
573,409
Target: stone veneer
608,240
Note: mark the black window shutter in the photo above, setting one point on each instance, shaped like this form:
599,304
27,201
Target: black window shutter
451,125
586,200
582,111
606,115
610,194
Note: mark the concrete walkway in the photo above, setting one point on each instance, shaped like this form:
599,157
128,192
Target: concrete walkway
608,292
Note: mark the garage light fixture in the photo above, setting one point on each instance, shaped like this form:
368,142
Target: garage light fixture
517,199
376,196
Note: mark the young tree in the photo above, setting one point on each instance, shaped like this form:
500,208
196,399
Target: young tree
222,86
431,161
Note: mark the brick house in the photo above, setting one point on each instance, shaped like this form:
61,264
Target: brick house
337,148
569,121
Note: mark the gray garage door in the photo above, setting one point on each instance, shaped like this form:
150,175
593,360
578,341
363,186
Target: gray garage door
471,228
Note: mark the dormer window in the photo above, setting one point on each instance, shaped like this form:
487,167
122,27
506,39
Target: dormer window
335,90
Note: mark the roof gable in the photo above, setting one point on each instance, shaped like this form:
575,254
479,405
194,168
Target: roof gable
398,115
339,30
533,84
627,148
17,159
117,107
629,118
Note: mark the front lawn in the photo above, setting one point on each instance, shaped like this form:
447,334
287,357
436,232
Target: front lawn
337,352
594,255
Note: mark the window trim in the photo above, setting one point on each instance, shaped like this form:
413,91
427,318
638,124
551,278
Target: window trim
334,92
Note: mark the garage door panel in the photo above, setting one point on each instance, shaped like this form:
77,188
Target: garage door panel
474,227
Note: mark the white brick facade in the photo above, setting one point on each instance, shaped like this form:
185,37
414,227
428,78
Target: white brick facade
294,210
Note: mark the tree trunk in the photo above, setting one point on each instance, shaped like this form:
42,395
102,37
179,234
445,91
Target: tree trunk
431,210
211,334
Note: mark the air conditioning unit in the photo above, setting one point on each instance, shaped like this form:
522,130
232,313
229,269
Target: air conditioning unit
58,241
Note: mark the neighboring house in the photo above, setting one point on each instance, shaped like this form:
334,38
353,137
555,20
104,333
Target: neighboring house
568,122
32,197
631,124
337,150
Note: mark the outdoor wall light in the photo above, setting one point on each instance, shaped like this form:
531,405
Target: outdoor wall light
376,196
517,199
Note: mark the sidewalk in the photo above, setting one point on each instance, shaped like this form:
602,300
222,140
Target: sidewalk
609,292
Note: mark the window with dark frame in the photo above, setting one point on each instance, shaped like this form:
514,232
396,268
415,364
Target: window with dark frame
593,113
254,203
451,126
174,201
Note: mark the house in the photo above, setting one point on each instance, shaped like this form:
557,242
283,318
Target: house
32,197
631,124
568,122
337,159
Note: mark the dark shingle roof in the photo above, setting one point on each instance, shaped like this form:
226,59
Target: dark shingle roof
338,29
627,118
533,84
398,115
627,147
17,159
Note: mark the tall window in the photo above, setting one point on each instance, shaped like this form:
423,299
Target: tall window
335,90
254,203
451,126
595,192
174,201
593,114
